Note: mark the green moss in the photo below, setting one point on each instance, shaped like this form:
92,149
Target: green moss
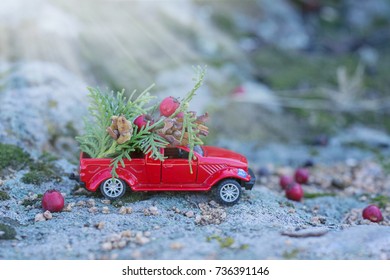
381,201
226,242
31,202
53,104
71,130
42,170
290,255
286,204
48,157
12,157
315,195
4,195
34,177
291,70
7,232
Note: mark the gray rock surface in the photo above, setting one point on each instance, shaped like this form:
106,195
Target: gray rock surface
252,229
41,107
277,23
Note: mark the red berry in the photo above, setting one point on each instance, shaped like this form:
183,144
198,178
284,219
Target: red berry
372,213
168,106
301,175
285,181
180,115
294,192
142,120
53,201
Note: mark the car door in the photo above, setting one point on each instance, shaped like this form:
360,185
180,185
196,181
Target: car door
175,169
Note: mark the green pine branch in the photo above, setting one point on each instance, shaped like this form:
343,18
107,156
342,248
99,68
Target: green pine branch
97,143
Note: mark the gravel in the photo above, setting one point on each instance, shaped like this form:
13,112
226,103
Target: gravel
263,225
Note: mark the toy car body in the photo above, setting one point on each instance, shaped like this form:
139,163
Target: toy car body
225,170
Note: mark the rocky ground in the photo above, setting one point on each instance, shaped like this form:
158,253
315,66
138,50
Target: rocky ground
298,83
327,224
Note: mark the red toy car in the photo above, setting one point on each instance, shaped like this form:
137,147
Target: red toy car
226,170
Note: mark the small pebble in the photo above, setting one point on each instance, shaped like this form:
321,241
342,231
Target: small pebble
47,214
68,207
141,240
91,202
176,246
190,214
105,210
125,210
39,217
106,201
115,237
93,210
126,233
107,246
80,203
100,225
153,210
121,244
122,210
136,254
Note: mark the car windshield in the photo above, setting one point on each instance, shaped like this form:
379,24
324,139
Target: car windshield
198,149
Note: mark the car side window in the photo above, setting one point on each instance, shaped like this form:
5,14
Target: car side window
137,154
175,153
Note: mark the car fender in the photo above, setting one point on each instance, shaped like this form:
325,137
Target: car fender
123,174
230,172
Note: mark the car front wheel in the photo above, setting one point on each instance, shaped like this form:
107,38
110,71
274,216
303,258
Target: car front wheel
113,188
229,192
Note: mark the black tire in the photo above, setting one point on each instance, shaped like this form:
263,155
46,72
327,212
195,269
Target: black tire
113,188
228,192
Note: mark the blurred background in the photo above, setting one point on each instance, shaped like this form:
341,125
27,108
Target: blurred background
286,79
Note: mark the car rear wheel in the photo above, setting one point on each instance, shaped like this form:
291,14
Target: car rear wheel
229,192
113,188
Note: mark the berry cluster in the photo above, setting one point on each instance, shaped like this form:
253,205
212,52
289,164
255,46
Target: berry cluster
172,124
294,191
293,186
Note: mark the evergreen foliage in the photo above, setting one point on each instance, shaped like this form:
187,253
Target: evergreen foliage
97,143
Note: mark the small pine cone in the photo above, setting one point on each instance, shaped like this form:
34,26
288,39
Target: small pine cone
172,140
177,134
203,130
202,119
168,124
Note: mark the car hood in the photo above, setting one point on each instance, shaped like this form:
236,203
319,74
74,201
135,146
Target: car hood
220,153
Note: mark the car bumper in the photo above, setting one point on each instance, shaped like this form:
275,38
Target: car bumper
76,177
249,185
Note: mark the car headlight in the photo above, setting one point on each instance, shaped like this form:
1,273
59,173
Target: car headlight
242,173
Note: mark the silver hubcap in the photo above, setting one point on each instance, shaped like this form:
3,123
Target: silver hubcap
229,192
113,187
